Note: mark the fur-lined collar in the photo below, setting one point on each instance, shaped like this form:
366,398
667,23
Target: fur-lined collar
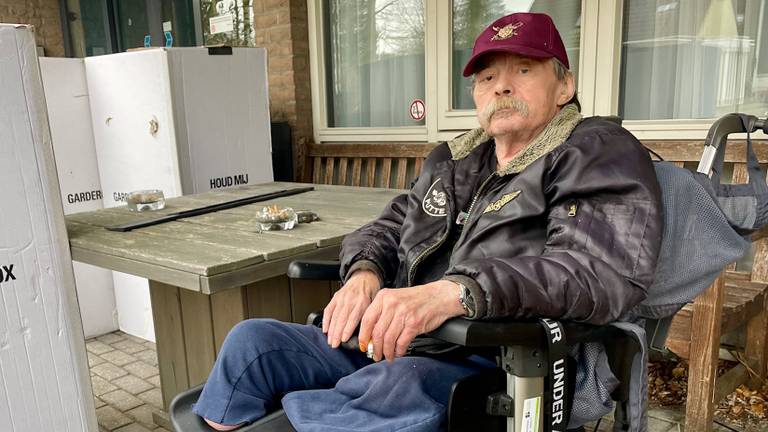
556,132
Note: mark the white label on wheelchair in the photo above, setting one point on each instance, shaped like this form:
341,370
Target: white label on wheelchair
531,415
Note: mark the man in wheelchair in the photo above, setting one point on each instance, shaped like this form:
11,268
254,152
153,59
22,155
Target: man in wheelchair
539,213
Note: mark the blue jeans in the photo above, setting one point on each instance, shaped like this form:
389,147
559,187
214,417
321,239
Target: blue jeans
325,389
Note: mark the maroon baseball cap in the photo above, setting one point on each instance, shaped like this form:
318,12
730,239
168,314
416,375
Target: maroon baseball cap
526,34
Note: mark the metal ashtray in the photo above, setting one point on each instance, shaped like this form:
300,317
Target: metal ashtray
146,200
275,218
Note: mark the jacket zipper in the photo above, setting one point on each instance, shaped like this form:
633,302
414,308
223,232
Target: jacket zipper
432,248
471,207
424,253
572,209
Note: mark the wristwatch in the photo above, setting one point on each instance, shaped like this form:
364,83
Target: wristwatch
466,300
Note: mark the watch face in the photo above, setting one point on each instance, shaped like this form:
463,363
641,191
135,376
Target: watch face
467,301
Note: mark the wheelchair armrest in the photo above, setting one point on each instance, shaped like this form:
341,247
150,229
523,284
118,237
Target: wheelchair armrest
529,337
468,333
527,333
314,270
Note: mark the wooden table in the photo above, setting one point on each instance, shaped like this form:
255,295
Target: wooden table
207,273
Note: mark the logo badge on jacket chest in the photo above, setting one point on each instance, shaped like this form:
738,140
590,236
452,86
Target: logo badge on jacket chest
501,202
435,200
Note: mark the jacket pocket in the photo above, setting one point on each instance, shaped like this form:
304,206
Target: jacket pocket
608,230
569,225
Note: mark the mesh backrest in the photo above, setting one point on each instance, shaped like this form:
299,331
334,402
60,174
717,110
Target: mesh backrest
697,243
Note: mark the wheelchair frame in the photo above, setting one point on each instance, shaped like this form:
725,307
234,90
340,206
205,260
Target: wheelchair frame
530,391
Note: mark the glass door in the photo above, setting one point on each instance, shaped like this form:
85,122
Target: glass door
138,22
178,17
102,27
89,28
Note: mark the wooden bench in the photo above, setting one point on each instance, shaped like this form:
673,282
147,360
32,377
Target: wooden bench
737,299
384,165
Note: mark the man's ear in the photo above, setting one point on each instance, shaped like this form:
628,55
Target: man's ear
567,90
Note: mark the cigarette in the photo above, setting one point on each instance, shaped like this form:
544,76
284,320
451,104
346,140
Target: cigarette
369,351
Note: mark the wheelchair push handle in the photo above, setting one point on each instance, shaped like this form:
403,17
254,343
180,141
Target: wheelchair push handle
718,135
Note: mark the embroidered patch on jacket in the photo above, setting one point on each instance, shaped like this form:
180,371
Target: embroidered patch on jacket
497,205
434,201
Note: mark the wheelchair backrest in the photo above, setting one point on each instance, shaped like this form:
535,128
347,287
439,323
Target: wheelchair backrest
697,243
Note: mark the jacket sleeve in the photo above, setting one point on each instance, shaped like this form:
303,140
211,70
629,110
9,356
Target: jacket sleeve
374,246
603,238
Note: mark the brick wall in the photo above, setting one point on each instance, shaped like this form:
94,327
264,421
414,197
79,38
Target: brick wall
44,15
281,27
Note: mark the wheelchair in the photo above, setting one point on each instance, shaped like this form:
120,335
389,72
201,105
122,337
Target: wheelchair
533,387
532,368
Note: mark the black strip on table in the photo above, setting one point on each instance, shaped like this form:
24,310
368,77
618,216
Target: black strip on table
209,209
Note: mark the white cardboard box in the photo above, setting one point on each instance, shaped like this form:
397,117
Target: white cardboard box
182,120
43,363
69,116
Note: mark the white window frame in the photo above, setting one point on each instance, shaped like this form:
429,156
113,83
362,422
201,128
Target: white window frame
598,82
761,79
319,99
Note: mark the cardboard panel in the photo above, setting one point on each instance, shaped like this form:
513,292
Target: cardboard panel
221,108
133,124
43,366
69,116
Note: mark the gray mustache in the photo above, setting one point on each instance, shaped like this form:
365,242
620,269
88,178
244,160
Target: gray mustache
512,103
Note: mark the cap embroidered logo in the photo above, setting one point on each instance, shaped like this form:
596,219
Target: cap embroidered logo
506,32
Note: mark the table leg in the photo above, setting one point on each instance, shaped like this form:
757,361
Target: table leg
190,326
169,338
269,298
189,330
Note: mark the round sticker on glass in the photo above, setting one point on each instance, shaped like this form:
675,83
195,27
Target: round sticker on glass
417,110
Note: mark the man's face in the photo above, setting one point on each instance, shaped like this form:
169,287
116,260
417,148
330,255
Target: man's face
518,95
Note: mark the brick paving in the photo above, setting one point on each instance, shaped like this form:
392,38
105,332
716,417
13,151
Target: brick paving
126,383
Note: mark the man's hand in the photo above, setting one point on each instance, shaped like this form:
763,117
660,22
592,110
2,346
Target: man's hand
396,316
347,306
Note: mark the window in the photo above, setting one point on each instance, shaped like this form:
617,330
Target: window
693,59
374,62
99,27
470,17
88,28
669,67
228,22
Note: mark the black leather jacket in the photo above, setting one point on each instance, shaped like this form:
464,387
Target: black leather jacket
573,235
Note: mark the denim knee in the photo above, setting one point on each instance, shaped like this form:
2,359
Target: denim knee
257,333
260,360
